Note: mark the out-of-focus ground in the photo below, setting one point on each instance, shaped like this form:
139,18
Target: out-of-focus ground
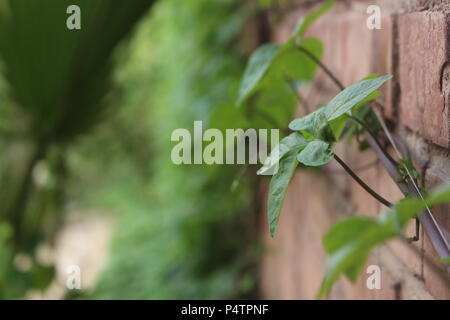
84,241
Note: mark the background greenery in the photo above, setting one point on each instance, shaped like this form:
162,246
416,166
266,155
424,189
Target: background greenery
97,113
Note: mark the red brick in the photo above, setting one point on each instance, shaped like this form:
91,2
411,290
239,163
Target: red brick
347,46
414,48
423,51
352,51
384,63
296,255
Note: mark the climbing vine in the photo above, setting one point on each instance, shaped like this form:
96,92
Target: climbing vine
276,70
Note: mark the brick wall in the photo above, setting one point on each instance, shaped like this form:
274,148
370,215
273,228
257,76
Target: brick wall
413,45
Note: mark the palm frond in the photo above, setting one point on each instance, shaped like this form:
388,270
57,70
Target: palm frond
59,76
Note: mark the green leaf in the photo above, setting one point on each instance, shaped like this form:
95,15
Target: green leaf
444,260
294,141
353,96
316,153
257,67
304,23
278,188
335,112
321,128
353,271
42,276
62,87
314,126
362,113
352,256
347,228
338,126
305,123
371,76
272,65
294,64
337,237
227,117
439,195
273,103
350,240
399,215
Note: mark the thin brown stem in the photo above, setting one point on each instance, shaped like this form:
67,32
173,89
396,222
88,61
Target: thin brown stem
310,55
362,183
369,131
357,169
341,86
430,225
297,94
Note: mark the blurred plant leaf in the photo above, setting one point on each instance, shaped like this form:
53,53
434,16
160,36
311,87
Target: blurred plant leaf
445,260
61,76
283,62
42,276
294,65
257,67
349,241
304,23
273,103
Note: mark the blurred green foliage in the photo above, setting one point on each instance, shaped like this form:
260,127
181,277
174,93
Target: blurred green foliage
97,114
53,85
185,234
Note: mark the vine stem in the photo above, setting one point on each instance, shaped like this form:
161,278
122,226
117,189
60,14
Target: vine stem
338,83
433,229
324,67
362,123
369,131
297,94
360,168
361,182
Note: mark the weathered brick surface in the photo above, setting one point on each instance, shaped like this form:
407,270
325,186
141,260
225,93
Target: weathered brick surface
385,61
296,252
423,51
413,45
352,51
